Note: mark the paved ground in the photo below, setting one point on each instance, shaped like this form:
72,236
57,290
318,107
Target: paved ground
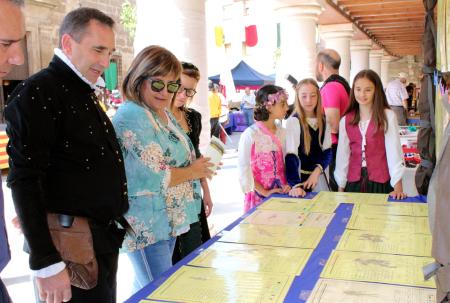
228,205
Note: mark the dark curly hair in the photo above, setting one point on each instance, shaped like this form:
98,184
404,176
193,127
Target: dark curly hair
261,113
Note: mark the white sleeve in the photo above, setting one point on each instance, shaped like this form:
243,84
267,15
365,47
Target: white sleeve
342,156
293,132
49,271
394,152
327,139
244,150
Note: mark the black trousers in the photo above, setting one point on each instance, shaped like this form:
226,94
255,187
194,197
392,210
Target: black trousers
4,297
215,128
105,291
333,184
197,235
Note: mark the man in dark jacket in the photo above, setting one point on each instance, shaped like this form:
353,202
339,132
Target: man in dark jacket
65,158
12,31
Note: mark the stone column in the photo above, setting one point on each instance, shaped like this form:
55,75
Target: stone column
337,37
359,50
375,56
298,38
385,69
178,25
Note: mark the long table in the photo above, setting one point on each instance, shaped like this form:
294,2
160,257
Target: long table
234,263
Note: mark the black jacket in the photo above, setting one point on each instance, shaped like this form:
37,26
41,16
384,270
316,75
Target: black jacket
63,158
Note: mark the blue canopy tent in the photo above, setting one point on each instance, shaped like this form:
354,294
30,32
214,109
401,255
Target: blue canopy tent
245,76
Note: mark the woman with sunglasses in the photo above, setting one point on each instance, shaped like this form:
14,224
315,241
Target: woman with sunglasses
191,122
163,173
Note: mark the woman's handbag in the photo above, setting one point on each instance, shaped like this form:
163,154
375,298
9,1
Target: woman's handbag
74,242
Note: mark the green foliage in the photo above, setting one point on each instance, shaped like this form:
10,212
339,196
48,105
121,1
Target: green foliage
128,17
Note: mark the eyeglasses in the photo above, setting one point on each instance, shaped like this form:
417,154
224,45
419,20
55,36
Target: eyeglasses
189,92
158,86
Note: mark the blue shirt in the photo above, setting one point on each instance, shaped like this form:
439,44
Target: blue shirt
150,149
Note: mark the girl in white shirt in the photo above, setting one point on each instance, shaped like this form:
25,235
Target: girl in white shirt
369,155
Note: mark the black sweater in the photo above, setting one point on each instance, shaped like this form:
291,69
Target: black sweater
63,158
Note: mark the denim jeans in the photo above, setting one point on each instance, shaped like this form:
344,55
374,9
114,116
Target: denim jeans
151,261
248,114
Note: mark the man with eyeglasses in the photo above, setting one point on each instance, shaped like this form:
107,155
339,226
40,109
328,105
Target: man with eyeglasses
12,32
65,158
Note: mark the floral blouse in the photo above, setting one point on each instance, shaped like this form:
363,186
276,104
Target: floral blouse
261,158
150,148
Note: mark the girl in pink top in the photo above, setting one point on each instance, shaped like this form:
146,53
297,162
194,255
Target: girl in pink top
261,159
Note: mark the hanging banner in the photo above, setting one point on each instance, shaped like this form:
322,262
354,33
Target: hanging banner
218,31
251,35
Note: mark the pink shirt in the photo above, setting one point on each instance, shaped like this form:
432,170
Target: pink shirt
334,96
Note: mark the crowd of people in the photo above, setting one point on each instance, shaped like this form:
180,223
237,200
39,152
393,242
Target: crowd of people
140,181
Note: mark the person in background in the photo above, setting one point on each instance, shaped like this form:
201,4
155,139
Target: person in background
369,150
248,106
260,151
308,140
215,110
190,121
397,97
335,93
162,169
70,162
12,32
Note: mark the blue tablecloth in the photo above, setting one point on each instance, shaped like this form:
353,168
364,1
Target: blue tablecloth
304,283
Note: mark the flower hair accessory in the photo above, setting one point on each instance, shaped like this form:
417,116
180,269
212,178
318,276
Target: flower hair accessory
275,98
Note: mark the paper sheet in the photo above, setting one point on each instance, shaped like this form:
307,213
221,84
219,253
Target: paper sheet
324,207
393,209
327,290
287,204
254,258
319,220
273,217
386,242
274,235
341,197
373,267
403,224
194,284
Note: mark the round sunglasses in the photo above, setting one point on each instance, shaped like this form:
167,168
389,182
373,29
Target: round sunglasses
158,85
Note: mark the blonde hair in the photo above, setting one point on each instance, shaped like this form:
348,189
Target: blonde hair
302,116
152,61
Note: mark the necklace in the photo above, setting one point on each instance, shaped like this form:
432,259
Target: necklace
181,117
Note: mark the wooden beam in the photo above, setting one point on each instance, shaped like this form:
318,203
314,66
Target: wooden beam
378,13
351,19
365,2
390,18
391,21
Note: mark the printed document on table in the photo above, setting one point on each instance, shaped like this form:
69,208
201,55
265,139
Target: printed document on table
195,284
324,207
254,258
274,217
287,204
374,267
386,242
356,198
393,209
403,224
327,290
274,235
317,220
